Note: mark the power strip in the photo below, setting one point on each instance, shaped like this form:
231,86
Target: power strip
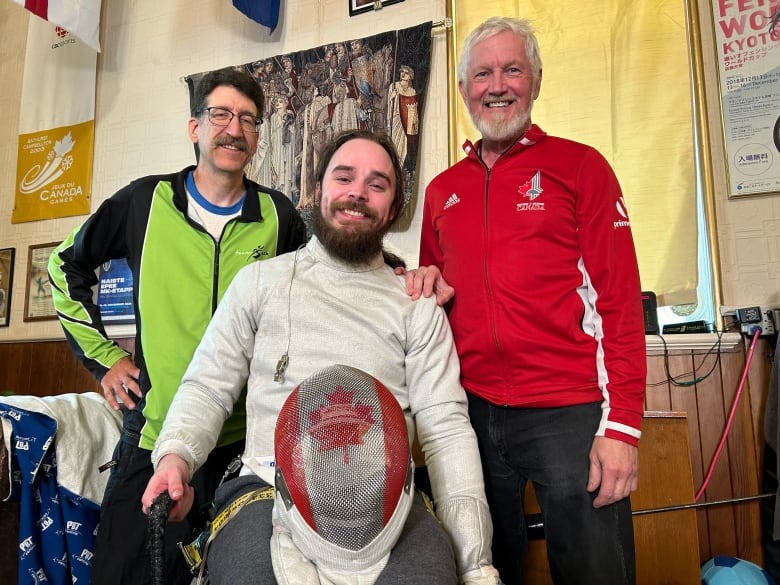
750,318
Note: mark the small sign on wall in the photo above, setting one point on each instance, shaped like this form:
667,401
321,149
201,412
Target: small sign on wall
115,293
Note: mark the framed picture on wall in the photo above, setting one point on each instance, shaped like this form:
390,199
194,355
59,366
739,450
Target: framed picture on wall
6,284
361,6
38,304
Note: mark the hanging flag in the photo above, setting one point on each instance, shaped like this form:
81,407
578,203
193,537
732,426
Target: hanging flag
266,12
56,126
81,18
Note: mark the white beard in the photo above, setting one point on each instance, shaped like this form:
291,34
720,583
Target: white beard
500,128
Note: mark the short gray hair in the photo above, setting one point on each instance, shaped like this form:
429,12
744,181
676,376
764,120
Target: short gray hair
493,26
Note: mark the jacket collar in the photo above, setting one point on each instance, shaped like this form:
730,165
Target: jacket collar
249,212
530,137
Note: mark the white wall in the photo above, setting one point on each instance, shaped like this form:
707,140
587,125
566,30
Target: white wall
143,104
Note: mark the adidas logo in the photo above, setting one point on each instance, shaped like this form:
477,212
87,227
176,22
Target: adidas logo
451,201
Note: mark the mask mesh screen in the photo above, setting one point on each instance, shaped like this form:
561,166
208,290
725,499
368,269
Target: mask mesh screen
342,448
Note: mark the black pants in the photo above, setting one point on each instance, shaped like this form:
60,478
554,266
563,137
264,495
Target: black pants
241,553
121,549
550,447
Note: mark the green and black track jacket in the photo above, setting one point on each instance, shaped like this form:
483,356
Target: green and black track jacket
179,275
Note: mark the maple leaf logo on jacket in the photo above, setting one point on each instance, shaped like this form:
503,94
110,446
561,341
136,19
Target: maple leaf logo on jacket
532,188
353,420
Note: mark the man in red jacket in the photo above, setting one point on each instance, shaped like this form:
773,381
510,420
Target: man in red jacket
532,232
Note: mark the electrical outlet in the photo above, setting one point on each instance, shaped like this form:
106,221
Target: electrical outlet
751,317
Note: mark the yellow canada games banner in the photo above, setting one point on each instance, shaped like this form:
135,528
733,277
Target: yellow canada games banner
56,125
54,172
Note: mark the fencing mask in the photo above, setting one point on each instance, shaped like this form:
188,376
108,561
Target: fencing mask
344,479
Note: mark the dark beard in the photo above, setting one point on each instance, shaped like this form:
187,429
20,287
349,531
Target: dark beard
351,246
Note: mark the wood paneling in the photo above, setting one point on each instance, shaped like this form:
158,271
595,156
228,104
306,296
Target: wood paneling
45,368
666,542
710,384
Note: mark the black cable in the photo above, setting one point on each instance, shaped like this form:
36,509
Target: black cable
675,380
158,518
698,379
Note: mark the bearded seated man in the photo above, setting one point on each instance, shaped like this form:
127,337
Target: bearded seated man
334,301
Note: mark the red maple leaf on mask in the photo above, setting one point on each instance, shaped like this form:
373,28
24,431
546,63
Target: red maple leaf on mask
341,423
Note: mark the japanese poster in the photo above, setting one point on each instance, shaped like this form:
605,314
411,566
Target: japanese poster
747,42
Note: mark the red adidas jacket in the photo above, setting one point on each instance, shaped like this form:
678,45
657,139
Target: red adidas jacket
547,309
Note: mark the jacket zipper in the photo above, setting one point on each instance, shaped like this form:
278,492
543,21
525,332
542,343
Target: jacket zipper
485,265
215,277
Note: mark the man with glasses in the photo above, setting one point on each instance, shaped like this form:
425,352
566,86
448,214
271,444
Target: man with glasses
185,235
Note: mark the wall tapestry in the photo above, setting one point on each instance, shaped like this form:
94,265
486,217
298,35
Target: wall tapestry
375,83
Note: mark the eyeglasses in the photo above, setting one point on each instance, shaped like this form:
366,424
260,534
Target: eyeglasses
223,117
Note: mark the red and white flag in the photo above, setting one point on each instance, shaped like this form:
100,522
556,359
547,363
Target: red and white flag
81,18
